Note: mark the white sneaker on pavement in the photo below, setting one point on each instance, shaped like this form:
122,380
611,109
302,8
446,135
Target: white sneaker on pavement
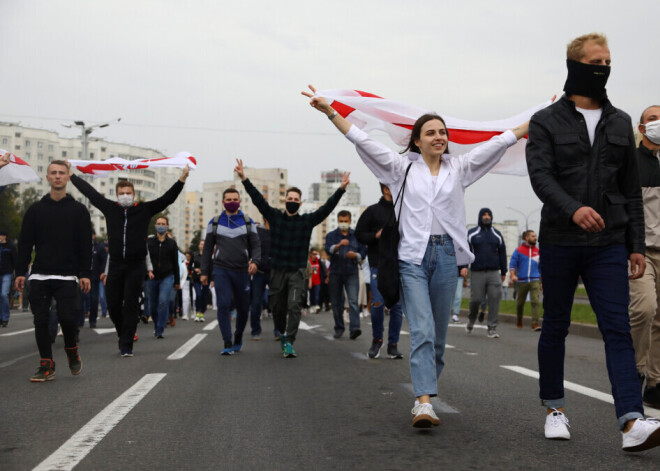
424,416
556,426
644,434
455,318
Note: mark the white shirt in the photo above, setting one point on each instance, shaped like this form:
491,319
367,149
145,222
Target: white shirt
591,118
421,203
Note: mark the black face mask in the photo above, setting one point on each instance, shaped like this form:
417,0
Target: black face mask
586,79
292,207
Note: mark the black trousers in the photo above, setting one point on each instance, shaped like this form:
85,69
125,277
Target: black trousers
123,288
67,297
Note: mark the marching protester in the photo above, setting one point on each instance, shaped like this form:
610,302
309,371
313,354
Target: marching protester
7,265
232,253
432,228
260,281
290,236
524,269
201,291
582,166
127,223
99,260
63,260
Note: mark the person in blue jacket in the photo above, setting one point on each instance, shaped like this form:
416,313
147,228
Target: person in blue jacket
525,273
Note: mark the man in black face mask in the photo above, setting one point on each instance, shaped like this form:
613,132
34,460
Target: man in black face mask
581,162
290,235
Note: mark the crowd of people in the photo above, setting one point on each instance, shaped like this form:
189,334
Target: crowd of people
599,222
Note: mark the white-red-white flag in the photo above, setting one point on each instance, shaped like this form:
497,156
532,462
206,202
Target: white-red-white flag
104,167
369,112
17,171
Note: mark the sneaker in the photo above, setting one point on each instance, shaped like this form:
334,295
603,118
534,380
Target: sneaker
469,326
644,434
201,318
45,372
172,321
519,323
75,363
197,316
160,336
144,319
424,416
374,351
288,351
482,314
536,327
338,335
126,353
492,333
355,334
455,318
393,353
135,338
184,317
228,350
652,396
237,347
256,338
556,426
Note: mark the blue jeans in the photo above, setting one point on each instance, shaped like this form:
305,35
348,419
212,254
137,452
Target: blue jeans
604,271
230,285
5,288
159,293
315,295
104,304
427,291
458,296
201,296
378,314
257,288
352,285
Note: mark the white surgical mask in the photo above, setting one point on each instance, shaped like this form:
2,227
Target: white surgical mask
125,200
344,226
653,131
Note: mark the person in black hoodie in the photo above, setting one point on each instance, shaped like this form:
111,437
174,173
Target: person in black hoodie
127,223
164,277
487,271
99,259
368,230
59,230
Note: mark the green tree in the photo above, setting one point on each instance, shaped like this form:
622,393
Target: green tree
10,219
27,199
195,241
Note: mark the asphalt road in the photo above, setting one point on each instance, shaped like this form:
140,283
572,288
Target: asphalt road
330,408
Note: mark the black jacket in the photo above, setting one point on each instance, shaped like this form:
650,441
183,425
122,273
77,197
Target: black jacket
7,258
649,178
164,258
370,222
99,259
127,227
567,172
61,234
264,238
487,245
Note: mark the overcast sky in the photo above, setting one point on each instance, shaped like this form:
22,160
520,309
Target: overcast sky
222,79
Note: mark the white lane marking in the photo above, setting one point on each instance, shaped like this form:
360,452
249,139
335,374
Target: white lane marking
107,330
9,334
360,356
403,332
184,349
649,411
212,325
438,405
11,362
329,337
84,440
476,326
305,326
449,346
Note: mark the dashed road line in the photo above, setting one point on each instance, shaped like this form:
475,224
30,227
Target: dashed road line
15,360
84,440
462,326
107,330
187,347
212,325
9,334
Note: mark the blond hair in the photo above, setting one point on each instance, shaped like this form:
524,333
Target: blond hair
575,49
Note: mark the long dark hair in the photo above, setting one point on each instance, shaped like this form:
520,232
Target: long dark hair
417,132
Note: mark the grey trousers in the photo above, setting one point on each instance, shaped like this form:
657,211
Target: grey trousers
482,283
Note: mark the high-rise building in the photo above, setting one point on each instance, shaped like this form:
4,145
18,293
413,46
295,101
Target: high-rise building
39,147
194,217
330,181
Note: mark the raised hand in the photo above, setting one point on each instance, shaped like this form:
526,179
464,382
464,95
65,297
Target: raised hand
318,102
5,159
239,169
345,180
185,173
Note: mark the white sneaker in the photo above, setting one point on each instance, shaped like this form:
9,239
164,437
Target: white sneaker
454,318
644,434
424,416
556,426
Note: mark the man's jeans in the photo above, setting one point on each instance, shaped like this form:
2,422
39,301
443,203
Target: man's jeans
5,289
232,284
352,285
458,296
378,313
201,296
159,293
604,271
257,288
427,291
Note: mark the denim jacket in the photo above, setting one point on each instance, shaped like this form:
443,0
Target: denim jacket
339,264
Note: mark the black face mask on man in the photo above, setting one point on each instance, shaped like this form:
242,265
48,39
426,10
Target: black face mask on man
586,79
292,207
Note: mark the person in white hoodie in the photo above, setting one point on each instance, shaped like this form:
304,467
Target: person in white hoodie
432,228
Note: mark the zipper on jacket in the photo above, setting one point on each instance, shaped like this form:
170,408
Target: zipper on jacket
125,224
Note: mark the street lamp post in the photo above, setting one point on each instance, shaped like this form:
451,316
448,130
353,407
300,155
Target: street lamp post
526,216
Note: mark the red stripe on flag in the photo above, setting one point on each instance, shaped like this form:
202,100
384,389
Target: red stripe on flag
368,95
193,159
342,109
463,136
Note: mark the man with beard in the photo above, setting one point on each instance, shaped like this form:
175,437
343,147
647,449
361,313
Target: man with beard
524,268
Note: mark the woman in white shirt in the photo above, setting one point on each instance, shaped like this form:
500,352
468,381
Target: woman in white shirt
432,228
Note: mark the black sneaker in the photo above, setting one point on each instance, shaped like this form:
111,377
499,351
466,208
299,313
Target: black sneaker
469,326
45,372
75,363
481,316
374,351
355,334
393,353
652,396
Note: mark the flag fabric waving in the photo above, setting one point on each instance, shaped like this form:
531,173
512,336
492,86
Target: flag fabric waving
104,167
369,112
17,171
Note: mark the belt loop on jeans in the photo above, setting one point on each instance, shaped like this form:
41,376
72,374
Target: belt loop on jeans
439,239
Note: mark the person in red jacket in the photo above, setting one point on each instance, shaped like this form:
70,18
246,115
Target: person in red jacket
525,273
